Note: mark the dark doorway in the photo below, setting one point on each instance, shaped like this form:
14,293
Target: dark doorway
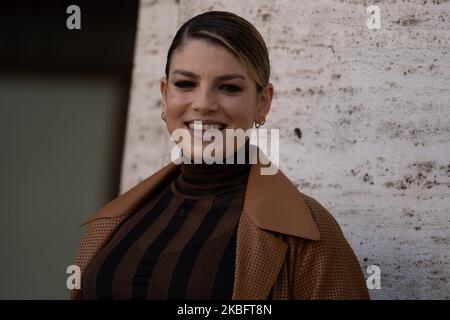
63,107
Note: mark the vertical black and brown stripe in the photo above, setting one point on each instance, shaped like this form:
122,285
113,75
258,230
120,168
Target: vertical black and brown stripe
180,245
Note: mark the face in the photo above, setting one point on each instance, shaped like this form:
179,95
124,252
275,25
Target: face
207,83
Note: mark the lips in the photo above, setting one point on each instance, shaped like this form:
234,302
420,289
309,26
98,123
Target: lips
205,125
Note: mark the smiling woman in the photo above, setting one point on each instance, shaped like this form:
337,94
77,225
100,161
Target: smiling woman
211,85
216,231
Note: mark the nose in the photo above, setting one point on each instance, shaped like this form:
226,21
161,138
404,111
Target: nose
205,102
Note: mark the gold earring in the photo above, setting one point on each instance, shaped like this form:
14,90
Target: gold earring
258,124
163,116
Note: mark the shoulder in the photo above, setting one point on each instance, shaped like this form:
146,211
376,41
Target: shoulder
327,268
328,226
332,247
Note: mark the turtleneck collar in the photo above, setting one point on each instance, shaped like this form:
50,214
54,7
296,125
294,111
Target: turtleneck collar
206,180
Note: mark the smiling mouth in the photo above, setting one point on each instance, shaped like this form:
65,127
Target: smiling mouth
199,125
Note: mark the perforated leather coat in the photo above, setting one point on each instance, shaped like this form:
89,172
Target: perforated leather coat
288,245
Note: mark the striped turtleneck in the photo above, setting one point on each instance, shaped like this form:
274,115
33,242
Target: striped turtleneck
180,244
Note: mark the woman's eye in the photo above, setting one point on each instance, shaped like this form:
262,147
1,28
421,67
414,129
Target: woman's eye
231,88
189,84
184,84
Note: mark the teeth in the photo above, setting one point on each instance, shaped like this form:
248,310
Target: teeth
198,125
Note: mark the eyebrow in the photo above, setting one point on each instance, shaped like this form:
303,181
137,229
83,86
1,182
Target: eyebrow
219,78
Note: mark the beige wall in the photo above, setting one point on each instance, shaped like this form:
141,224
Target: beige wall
373,107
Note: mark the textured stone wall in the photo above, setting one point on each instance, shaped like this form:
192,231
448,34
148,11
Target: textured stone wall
365,115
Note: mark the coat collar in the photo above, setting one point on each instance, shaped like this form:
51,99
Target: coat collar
272,202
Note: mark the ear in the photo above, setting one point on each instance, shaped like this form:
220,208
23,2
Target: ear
163,89
264,102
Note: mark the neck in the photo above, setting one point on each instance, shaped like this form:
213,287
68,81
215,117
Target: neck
204,180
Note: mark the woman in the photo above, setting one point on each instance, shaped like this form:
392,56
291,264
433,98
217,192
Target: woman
216,231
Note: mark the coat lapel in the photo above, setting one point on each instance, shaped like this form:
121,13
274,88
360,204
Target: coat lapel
130,201
272,205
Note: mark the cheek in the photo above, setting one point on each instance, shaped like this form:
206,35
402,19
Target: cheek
241,114
176,104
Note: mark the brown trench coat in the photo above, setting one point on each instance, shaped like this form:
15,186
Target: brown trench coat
288,245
